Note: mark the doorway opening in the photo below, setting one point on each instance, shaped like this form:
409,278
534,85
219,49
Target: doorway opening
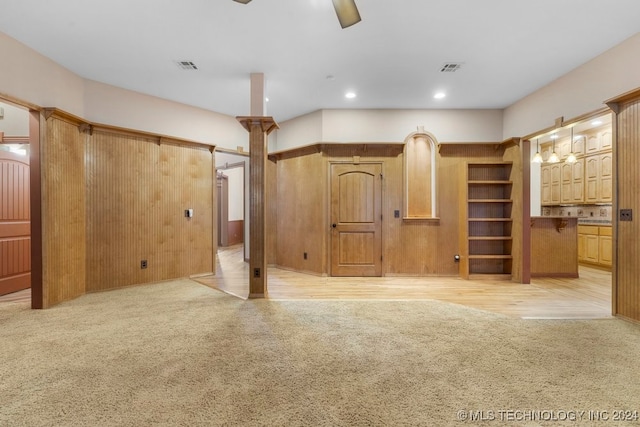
15,206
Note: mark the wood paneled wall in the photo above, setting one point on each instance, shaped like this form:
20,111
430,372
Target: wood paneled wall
410,247
137,192
272,213
63,204
513,153
626,253
554,253
302,222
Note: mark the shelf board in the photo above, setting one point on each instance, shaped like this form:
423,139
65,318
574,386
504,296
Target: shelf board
493,182
476,238
490,201
490,257
490,220
489,276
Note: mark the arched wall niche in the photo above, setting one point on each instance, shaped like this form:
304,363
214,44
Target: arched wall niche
420,176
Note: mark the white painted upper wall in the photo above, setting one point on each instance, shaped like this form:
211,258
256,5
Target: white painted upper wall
379,126
120,107
302,130
31,77
578,92
396,125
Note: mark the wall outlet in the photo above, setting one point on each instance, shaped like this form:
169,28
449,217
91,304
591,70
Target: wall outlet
143,264
626,214
304,255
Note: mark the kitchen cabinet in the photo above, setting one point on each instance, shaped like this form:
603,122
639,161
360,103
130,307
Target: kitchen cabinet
587,181
595,245
572,174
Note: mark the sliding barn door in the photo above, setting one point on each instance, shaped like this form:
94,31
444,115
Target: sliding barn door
15,223
356,221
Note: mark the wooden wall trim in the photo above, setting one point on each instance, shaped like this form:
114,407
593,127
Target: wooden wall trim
152,137
230,151
19,102
36,121
366,149
14,139
560,122
625,97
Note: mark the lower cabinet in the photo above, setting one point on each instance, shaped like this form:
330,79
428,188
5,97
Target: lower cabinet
595,245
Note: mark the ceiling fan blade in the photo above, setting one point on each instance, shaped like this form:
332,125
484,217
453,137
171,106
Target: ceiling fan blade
242,1
347,12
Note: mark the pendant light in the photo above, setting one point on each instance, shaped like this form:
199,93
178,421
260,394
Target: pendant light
572,157
553,158
537,158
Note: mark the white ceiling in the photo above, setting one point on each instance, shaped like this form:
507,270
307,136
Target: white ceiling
392,59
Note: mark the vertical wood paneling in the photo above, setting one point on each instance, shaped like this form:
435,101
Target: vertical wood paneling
553,252
302,221
627,254
272,212
513,153
64,212
137,192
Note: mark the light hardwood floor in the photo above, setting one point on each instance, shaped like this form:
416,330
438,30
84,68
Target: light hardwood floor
585,298
588,297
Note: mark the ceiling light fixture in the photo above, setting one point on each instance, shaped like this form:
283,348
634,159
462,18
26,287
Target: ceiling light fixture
596,122
440,95
537,158
242,1
571,158
553,158
350,95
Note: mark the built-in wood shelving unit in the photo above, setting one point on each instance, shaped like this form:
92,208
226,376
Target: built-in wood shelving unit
486,220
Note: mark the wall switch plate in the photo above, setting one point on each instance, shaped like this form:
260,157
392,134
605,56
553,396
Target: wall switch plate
396,213
188,213
626,214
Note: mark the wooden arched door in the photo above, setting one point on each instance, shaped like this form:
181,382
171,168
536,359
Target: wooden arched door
15,223
356,219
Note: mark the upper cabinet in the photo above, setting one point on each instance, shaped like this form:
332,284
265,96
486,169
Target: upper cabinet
589,179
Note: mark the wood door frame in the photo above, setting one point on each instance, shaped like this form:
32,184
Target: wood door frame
330,163
222,193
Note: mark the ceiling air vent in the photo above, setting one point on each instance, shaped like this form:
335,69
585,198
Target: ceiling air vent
186,65
450,67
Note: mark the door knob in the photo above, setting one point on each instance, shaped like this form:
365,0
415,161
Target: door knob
333,225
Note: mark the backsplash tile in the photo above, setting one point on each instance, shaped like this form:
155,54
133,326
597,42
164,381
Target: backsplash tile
585,213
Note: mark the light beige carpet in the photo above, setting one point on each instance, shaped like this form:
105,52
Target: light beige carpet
181,354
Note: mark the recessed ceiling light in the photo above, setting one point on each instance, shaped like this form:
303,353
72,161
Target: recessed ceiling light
439,95
554,136
596,122
350,95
